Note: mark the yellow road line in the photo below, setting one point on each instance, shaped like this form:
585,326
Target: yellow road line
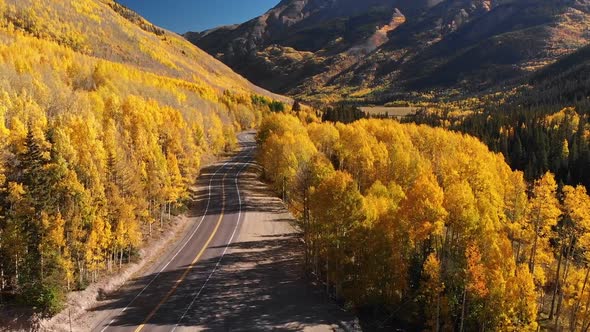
193,263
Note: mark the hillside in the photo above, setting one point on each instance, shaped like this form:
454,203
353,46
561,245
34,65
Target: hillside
104,122
106,30
318,49
564,82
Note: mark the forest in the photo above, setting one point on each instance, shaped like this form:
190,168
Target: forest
534,138
97,155
425,228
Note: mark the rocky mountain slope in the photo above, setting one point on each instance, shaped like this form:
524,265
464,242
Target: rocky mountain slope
378,49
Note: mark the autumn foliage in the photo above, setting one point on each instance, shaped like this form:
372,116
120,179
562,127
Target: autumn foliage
96,155
431,225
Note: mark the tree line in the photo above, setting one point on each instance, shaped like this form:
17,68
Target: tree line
533,139
430,226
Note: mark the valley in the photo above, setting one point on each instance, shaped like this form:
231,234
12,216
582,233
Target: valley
328,165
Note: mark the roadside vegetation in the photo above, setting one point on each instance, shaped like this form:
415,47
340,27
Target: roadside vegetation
96,155
425,228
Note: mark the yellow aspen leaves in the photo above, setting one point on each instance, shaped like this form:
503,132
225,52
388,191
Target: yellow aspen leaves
409,213
544,214
99,141
433,288
476,274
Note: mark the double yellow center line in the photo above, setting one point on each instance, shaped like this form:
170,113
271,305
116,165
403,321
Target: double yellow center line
193,263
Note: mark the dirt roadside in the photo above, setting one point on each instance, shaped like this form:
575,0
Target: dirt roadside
259,285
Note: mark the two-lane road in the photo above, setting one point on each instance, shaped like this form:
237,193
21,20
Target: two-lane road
170,290
238,267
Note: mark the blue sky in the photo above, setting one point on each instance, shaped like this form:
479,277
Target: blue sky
198,15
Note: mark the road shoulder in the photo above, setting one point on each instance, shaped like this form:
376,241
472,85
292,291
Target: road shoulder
260,284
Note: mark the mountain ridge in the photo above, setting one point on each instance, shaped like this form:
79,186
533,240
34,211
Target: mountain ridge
302,47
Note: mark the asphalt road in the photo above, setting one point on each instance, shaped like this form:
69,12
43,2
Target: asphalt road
237,268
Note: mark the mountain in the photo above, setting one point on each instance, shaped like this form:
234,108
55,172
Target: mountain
378,49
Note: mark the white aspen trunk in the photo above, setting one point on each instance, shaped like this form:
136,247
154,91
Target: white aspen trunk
557,281
463,310
111,259
162,210
565,273
574,320
16,269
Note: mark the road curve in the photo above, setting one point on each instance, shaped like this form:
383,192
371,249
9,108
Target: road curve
234,269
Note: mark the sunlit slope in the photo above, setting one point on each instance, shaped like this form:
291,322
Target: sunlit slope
107,30
104,122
